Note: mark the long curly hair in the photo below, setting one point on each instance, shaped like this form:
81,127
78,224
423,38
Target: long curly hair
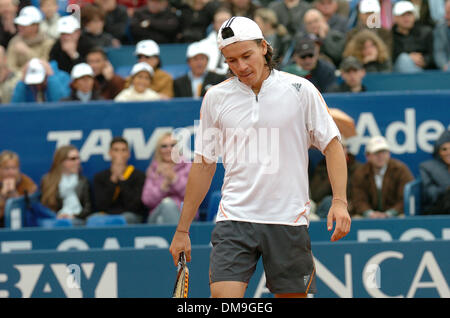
356,45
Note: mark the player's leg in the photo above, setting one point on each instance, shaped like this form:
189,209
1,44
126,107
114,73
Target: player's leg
228,289
287,259
233,258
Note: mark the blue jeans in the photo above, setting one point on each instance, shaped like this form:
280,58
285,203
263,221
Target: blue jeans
404,64
167,212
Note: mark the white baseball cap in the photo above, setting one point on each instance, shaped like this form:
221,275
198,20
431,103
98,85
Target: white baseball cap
369,6
147,48
80,70
197,48
28,15
238,29
35,72
401,7
68,24
142,66
376,144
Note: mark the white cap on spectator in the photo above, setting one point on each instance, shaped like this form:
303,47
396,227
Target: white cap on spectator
142,66
376,144
68,24
238,29
28,15
147,48
402,7
35,72
369,6
80,70
197,48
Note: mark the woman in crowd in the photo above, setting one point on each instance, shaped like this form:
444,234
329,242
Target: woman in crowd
435,174
64,189
165,183
13,183
370,50
137,87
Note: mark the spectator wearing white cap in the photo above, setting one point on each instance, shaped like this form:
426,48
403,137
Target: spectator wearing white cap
83,86
377,185
162,82
412,42
198,80
137,87
66,50
29,42
42,82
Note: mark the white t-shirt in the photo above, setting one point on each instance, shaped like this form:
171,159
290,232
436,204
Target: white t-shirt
263,141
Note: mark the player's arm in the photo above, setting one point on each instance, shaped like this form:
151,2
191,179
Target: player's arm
199,181
337,172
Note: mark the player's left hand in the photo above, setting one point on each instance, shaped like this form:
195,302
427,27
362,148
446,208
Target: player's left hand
338,212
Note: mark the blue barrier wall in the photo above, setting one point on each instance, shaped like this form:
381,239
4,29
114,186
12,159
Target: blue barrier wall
143,236
410,121
396,269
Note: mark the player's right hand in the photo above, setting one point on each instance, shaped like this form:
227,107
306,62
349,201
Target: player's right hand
180,243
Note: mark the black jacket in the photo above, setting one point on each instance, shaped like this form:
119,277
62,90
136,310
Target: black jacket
419,39
129,198
161,27
65,62
182,85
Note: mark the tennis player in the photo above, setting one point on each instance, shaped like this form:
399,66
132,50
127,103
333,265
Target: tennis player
265,205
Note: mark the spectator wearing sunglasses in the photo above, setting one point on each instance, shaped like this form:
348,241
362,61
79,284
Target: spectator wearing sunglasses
64,189
165,182
309,65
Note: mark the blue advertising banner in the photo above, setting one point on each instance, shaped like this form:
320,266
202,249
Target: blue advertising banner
411,121
395,269
148,236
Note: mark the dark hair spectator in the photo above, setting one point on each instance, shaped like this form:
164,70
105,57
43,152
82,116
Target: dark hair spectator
93,33
117,190
116,19
110,84
309,65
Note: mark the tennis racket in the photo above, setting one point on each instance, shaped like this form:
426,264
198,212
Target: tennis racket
182,282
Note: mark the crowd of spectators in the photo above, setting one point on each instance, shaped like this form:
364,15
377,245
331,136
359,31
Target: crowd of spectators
383,35
49,55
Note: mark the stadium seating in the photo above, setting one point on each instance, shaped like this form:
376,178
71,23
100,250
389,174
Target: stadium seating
412,195
105,220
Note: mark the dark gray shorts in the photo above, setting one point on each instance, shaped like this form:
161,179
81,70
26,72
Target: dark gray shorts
285,250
